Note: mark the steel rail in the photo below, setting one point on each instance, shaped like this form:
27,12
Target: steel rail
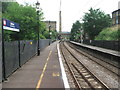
86,80
71,71
85,54
101,82
98,58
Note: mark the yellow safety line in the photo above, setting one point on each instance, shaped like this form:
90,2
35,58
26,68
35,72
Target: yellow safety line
41,77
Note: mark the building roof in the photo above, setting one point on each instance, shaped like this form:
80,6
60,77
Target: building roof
116,11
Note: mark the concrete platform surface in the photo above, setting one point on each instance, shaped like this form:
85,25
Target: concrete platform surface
108,51
40,72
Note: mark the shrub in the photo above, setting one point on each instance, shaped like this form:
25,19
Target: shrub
111,33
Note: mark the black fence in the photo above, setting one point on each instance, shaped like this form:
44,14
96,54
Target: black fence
27,50
11,57
44,43
113,45
0,60
18,53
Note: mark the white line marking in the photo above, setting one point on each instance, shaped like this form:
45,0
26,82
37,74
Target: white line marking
64,77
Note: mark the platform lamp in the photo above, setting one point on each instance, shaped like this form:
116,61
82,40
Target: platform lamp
37,8
49,32
81,36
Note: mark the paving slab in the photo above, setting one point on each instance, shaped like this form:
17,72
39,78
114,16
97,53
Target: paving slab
40,72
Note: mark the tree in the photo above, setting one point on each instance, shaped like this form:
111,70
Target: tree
54,34
5,5
75,31
46,34
95,21
26,16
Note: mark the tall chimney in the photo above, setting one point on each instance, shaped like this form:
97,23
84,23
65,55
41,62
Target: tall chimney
60,19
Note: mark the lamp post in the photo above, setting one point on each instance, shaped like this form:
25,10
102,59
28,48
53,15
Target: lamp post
81,35
49,32
37,8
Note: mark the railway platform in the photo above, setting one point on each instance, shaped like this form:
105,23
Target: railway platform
103,50
44,71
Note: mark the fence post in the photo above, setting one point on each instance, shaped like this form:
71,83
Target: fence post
19,50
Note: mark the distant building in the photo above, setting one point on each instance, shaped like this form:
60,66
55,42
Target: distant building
116,17
52,25
65,35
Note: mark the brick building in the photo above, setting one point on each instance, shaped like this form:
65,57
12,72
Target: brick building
116,17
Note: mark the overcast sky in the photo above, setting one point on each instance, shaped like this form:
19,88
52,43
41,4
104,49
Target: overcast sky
72,10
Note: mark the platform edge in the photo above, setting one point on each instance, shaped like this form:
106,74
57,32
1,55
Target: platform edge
64,77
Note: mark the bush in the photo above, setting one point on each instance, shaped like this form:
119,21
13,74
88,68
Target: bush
109,34
42,37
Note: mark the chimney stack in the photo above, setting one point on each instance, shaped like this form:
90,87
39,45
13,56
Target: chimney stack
60,19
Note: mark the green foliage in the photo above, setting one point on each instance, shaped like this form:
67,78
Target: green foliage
53,35
4,5
95,21
75,31
42,37
46,34
119,34
27,17
109,34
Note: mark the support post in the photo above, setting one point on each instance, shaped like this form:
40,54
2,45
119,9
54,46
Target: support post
1,46
38,51
49,32
3,53
19,49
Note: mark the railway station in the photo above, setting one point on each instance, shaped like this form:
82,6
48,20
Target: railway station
38,53
52,68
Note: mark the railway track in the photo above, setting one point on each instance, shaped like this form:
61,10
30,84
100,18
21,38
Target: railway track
107,65
82,76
